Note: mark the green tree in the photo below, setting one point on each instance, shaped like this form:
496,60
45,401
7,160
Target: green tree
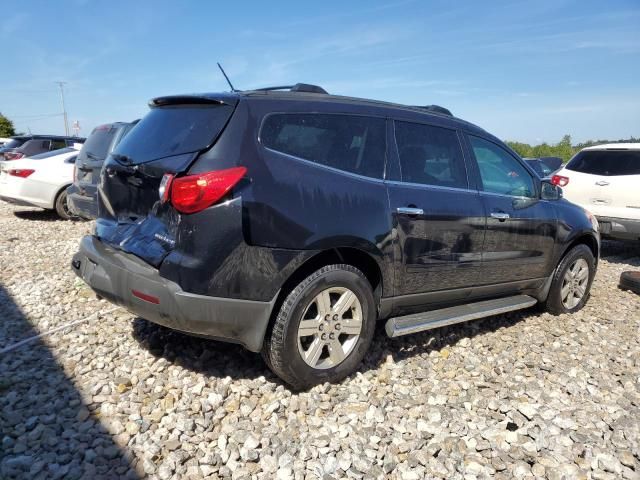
6,127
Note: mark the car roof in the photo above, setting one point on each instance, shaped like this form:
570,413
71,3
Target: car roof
614,146
286,95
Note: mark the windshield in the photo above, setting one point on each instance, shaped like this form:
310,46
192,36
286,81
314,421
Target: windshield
173,130
53,153
606,162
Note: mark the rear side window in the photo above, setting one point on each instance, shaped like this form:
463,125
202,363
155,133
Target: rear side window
355,144
430,155
606,162
174,130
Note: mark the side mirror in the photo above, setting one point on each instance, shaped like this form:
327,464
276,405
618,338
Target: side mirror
548,191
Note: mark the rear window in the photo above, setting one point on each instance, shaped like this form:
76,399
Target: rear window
606,162
351,143
174,130
53,153
14,143
96,147
34,146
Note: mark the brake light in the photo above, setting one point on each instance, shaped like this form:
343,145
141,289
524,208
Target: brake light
559,180
21,172
194,193
13,155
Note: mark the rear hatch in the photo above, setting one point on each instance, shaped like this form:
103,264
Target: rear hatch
166,141
92,156
605,182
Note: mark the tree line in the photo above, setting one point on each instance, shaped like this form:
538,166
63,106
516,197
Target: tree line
564,149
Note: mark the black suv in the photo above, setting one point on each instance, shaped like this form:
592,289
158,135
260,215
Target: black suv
82,194
289,221
29,145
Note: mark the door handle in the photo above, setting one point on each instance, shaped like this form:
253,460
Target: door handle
602,183
410,211
502,216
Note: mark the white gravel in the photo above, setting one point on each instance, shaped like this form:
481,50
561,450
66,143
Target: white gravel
522,395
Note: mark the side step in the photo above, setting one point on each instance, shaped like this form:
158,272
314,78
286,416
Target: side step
418,322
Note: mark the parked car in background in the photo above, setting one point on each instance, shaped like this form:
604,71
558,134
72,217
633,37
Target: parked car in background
605,179
290,221
544,166
82,194
27,146
39,181
3,141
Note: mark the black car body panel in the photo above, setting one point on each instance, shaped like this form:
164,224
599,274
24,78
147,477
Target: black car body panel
82,194
288,212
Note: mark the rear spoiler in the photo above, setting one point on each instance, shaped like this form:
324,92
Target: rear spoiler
197,99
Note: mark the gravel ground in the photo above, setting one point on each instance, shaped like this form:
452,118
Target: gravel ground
516,396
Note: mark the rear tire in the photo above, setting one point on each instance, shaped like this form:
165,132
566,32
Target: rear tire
323,329
571,284
62,207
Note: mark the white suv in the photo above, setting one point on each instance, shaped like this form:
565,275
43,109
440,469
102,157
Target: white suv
605,179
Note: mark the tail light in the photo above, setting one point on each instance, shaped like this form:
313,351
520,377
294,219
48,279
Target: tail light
194,193
559,180
21,172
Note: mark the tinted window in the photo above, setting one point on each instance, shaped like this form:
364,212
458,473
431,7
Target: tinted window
96,147
56,144
14,143
430,155
351,143
606,162
53,153
32,147
174,130
500,171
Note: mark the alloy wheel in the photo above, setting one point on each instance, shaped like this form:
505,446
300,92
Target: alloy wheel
574,284
330,328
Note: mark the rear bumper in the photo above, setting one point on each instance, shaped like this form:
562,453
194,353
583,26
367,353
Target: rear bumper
619,228
114,275
83,205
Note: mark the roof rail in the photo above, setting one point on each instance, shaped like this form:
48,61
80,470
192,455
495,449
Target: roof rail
298,87
436,109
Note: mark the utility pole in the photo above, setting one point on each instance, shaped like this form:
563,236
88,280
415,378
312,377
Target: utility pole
64,109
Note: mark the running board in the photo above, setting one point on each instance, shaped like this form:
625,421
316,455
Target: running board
419,322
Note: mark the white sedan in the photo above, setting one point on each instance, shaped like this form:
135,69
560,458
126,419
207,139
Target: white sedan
40,180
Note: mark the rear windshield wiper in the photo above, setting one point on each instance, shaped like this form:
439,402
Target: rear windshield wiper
122,158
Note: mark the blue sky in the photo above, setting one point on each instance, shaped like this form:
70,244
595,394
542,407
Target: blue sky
527,71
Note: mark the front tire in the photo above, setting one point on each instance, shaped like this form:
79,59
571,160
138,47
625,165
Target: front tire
323,329
572,281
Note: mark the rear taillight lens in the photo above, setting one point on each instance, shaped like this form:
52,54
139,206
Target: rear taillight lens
559,180
21,172
13,156
194,193
165,187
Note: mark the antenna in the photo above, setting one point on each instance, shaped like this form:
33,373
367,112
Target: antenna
227,78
